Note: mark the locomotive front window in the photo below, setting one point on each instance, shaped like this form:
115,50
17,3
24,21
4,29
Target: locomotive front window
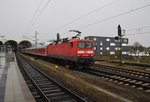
84,45
88,45
81,45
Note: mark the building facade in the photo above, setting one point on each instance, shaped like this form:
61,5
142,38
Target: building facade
108,45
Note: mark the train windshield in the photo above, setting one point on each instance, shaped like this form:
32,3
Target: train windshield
84,44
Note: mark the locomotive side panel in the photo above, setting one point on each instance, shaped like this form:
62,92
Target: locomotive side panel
72,49
58,51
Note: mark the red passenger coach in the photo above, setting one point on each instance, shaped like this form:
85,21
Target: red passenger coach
36,50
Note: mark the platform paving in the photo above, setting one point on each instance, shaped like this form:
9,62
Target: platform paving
12,85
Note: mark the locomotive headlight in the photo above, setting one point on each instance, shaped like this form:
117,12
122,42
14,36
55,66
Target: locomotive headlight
80,52
90,52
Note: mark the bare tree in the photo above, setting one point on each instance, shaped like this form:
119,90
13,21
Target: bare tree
149,51
137,48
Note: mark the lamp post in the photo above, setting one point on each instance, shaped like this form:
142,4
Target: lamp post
2,42
5,45
36,39
2,37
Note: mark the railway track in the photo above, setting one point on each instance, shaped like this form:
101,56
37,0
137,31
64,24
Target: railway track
44,88
138,74
135,79
129,63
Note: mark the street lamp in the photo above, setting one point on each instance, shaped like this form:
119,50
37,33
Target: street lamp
2,38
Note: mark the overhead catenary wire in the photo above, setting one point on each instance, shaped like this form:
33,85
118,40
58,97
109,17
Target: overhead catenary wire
81,17
134,34
143,27
41,12
38,8
35,13
112,17
38,13
138,31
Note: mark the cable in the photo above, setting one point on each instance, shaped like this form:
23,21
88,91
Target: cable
138,28
79,18
41,12
106,19
35,13
138,33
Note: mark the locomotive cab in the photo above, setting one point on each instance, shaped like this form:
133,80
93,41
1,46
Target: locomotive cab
85,49
82,51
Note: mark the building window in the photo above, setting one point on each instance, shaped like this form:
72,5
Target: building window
112,53
124,53
124,44
95,48
101,53
107,39
107,48
94,39
101,43
95,44
101,48
116,48
112,44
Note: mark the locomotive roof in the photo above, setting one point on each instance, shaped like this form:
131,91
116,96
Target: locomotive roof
72,40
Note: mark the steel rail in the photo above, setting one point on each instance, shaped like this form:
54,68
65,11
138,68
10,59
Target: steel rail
112,75
34,83
128,71
66,91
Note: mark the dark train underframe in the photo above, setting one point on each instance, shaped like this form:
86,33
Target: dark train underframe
69,62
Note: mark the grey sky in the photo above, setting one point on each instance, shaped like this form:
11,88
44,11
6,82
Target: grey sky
16,15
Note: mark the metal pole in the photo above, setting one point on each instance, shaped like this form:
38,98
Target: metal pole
36,39
120,50
120,43
35,43
2,42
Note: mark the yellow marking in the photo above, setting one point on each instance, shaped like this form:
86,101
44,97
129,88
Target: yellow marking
56,67
123,61
48,67
147,91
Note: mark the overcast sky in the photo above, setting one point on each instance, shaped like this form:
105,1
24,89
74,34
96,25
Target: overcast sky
91,17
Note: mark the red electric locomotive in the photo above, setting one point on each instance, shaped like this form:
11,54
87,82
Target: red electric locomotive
73,52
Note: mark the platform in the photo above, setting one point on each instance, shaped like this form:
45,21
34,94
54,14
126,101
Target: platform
12,85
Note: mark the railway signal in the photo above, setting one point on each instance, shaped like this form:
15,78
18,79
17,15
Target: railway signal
119,38
119,30
116,38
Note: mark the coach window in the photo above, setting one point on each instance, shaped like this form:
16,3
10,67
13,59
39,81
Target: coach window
71,44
